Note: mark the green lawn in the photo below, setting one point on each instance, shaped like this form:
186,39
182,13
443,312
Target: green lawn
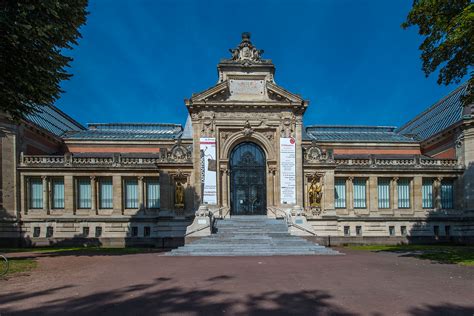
97,250
18,265
463,255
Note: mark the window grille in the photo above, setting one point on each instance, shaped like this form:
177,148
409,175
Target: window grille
340,193
106,193
84,193
427,193
404,193
446,194
58,193
131,193
153,193
360,193
384,192
36,193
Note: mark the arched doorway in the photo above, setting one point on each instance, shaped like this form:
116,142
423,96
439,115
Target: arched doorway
247,180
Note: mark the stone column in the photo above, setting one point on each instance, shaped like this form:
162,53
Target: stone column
273,185
350,193
395,193
93,195
224,190
45,194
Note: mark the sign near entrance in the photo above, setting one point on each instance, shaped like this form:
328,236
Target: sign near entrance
287,171
208,170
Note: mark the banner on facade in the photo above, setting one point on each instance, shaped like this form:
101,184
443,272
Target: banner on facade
208,170
287,171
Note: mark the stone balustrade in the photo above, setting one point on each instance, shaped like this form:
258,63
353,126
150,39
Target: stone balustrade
403,162
117,160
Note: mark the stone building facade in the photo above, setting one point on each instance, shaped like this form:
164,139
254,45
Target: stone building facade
243,151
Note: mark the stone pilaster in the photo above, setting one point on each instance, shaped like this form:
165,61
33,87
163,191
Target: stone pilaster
45,182
141,191
93,195
372,194
117,194
437,193
350,193
329,190
69,194
394,193
416,193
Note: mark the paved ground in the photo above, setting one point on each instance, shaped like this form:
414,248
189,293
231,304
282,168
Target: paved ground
360,283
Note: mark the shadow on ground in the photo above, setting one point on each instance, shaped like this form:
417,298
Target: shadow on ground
173,300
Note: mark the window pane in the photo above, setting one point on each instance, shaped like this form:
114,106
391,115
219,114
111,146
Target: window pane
131,193
340,193
404,193
36,193
106,195
384,192
153,193
446,194
427,193
359,193
58,193
84,193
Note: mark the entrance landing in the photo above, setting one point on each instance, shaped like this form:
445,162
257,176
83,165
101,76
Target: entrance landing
251,236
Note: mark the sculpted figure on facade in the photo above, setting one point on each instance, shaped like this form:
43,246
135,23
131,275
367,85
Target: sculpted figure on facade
179,194
315,192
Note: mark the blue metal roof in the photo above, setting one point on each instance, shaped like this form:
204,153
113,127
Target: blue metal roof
438,117
127,131
368,134
53,120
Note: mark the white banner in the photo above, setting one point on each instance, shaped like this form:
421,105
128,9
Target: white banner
208,170
287,171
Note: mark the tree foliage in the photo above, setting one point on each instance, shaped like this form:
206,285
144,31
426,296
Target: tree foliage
33,38
448,28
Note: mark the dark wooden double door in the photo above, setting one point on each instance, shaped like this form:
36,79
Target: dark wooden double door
247,180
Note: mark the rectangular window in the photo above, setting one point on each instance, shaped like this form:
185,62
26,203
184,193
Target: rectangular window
447,194
447,230
403,193
85,231
147,231
49,231
36,232
84,193
403,230
134,231
359,230
340,193
57,185
36,193
427,193
98,231
153,193
391,230
131,193
347,231
436,230
106,193
359,193
384,192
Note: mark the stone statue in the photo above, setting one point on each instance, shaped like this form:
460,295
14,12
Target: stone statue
315,193
179,194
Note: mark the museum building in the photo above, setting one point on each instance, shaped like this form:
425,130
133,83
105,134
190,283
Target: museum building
243,152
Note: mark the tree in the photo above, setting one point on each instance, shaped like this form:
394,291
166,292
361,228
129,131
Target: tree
33,38
448,28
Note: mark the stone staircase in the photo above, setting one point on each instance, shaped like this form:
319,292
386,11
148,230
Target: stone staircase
251,236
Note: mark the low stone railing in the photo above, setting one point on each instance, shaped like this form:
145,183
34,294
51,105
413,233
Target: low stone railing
387,162
69,160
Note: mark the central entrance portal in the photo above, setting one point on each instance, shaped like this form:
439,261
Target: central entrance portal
247,180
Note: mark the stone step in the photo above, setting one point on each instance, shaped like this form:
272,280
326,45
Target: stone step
251,236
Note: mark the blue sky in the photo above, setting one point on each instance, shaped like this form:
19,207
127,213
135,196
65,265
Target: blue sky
138,60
